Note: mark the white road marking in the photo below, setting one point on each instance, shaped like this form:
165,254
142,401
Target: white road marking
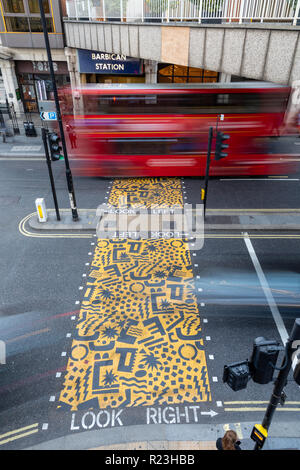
267,291
27,148
14,159
211,413
259,179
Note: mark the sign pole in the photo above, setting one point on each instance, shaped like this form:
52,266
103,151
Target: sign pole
44,137
66,159
204,192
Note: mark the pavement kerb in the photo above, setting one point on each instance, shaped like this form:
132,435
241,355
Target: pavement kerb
35,156
88,221
167,437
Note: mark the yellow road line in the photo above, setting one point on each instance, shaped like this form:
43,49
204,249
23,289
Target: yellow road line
18,437
27,233
257,402
260,409
253,210
252,235
20,430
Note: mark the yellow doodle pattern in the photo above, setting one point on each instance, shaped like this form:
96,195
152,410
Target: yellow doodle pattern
147,192
138,339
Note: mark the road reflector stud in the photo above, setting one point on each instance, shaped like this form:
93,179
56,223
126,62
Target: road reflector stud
41,209
259,434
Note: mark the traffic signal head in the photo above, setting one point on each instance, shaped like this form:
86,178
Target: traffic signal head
263,360
54,147
220,146
237,375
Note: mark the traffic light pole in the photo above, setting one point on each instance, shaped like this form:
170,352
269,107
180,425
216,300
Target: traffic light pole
44,137
281,380
64,147
210,138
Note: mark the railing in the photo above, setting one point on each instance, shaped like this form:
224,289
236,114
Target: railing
201,11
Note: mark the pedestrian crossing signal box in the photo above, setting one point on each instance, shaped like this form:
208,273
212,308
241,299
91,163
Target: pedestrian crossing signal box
259,434
237,375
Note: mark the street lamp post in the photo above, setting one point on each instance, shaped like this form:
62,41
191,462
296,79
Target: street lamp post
64,147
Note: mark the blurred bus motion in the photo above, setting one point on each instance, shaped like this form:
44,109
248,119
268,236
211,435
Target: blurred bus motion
162,130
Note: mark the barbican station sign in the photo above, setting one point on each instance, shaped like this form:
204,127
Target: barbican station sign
103,62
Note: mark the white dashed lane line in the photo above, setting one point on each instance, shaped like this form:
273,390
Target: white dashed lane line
267,291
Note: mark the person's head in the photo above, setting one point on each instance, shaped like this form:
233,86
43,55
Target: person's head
229,439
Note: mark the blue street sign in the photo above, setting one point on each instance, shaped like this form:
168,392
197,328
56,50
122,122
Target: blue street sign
48,115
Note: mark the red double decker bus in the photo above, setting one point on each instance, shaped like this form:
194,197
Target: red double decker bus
162,130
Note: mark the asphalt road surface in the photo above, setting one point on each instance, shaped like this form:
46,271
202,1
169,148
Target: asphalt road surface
60,379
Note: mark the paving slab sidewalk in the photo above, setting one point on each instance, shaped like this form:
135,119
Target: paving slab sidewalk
20,145
192,437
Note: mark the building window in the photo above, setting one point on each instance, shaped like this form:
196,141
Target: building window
23,16
37,87
170,73
36,25
13,6
34,6
17,24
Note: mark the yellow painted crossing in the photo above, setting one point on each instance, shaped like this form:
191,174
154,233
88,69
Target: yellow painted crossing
139,337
